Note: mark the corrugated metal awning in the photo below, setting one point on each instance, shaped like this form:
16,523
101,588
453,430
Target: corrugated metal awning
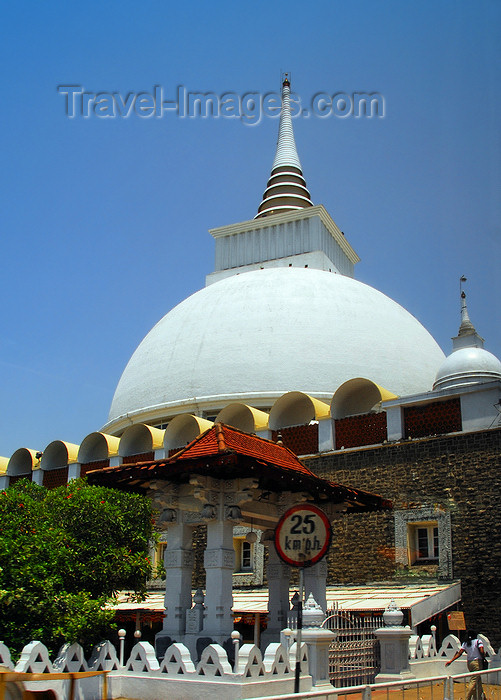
423,600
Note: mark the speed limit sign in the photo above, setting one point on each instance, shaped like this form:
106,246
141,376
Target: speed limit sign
303,535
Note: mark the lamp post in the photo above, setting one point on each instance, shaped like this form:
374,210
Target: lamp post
121,637
235,637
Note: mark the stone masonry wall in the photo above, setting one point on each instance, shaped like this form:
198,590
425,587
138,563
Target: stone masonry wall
349,561
458,473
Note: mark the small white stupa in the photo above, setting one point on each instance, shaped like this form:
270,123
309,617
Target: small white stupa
468,363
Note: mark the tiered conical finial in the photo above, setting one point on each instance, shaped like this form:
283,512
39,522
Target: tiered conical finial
466,327
467,335
286,189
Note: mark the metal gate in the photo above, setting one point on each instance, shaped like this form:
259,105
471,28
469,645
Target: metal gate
354,657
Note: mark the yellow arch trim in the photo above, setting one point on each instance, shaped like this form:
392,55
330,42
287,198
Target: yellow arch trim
322,409
112,442
385,394
72,451
202,423
259,418
157,437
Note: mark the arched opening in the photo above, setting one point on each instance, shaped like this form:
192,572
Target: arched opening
139,442
358,418
182,430
55,460
296,408
22,463
358,396
294,418
243,417
96,450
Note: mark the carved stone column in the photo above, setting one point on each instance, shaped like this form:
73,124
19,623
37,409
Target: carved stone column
178,566
278,575
219,561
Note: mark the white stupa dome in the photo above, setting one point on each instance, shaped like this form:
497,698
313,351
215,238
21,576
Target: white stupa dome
470,365
254,336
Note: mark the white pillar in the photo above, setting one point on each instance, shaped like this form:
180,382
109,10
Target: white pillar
394,423
278,575
178,567
219,561
394,642
318,641
74,471
315,583
37,476
326,435
265,434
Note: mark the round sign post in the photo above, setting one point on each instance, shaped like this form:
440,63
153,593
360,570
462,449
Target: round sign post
302,538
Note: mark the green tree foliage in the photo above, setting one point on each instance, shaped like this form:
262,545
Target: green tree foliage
64,553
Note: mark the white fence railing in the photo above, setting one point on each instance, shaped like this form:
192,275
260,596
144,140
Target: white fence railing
433,688
270,673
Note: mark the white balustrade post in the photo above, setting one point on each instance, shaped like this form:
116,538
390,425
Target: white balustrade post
315,583
318,641
394,643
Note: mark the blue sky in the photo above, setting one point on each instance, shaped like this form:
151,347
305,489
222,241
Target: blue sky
104,221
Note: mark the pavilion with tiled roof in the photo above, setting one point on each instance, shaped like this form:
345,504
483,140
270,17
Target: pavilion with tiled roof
223,452
222,478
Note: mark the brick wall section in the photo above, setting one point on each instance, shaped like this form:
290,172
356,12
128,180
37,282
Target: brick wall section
89,466
52,478
432,419
355,431
460,473
17,477
300,439
143,457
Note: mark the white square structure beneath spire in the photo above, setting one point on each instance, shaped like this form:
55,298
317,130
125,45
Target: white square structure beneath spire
304,238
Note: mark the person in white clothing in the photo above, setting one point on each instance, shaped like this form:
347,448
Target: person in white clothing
475,655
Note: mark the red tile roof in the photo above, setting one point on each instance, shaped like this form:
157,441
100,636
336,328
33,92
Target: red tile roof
225,452
223,439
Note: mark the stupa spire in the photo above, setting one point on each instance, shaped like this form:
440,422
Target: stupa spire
466,327
286,189
467,335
